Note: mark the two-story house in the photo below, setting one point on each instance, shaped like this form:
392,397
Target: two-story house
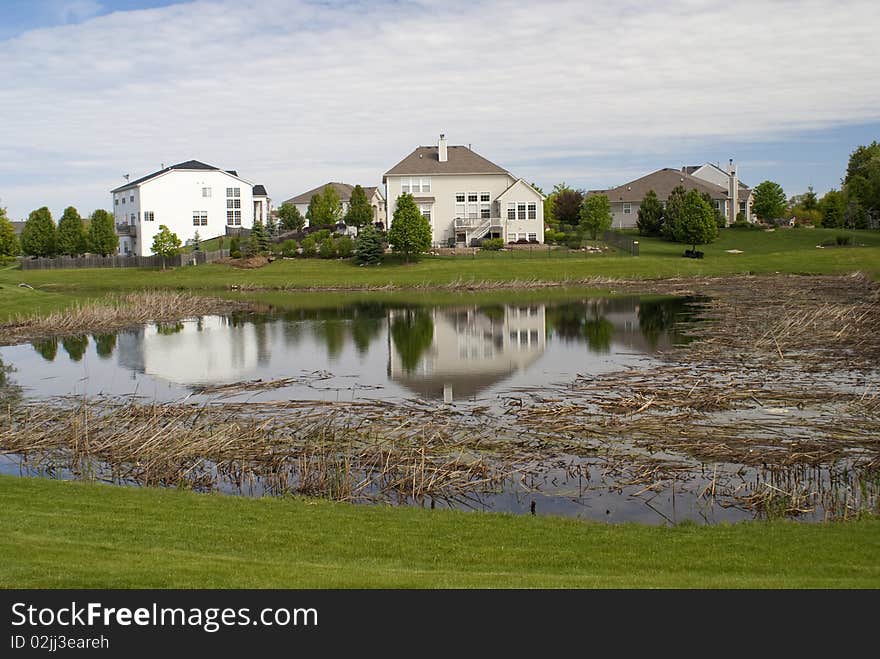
188,197
465,197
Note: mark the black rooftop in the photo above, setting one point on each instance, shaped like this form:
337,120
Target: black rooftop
189,164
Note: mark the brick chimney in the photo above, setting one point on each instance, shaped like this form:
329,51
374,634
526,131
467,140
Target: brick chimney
441,148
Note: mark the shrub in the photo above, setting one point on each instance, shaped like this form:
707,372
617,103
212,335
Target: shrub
843,240
344,247
493,244
309,246
573,242
740,217
234,248
555,237
327,250
289,248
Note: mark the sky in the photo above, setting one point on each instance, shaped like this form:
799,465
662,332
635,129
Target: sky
295,93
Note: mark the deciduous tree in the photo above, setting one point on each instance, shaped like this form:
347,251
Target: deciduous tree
9,245
360,213
595,215
769,200
695,223
291,218
71,234
166,244
38,237
102,238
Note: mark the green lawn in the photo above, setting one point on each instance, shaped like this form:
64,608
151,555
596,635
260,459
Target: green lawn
790,251
80,535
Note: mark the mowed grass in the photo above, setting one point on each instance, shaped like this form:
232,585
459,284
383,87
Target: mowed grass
81,535
784,251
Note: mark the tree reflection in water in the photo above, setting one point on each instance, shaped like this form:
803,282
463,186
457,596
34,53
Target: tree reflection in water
47,348
412,331
75,346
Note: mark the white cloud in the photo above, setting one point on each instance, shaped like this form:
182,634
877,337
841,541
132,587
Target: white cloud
293,93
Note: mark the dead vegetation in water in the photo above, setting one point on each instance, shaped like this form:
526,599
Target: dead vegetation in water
114,313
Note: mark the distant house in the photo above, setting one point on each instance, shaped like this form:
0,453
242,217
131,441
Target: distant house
188,197
465,197
729,195
344,190
18,227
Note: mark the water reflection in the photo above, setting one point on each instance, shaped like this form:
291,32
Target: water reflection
441,352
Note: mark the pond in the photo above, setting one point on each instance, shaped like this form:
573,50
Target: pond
388,351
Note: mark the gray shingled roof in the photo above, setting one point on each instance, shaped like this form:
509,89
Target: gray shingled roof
344,191
260,191
662,182
460,160
189,164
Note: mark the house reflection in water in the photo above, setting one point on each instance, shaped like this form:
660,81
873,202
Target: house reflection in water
201,351
470,348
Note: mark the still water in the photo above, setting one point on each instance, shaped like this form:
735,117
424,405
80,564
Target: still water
363,350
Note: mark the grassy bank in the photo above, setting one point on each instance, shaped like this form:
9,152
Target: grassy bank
785,251
74,535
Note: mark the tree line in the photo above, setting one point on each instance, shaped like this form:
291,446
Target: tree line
325,211
72,236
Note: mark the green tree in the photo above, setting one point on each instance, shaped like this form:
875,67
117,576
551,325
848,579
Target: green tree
327,250
47,348
769,200
650,216
410,232
38,238
567,207
369,248
344,246
9,245
166,244
862,181
104,344
833,207
695,223
196,241
595,215
360,213
855,216
720,220
271,226
809,201
673,210
102,238
75,346
71,234
313,212
260,236
291,218
309,246
325,208
412,331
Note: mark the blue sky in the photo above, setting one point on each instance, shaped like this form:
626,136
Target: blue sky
293,93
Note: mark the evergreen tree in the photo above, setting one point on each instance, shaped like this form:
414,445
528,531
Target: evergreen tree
9,245
102,238
166,244
673,211
71,234
313,212
271,226
260,236
369,248
410,231
360,213
196,242
291,218
38,236
833,209
650,217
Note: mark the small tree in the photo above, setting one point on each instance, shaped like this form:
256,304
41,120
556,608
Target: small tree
271,226
327,250
291,218
567,206
38,235
9,245
370,248
360,213
650,219
695,225
309,246
720,220
769,200
260,236
343,246
71,234
166,244
596,216
102,238
197,242
673,211
410,231
234,248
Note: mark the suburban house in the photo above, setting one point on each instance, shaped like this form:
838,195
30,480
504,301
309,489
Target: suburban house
729,195
188,197
344,190
18,227
465,197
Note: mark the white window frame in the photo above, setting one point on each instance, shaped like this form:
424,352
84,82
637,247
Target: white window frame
532,237
521,210
200,218
206,192
149,216
627,208
511,210
426,211
532,210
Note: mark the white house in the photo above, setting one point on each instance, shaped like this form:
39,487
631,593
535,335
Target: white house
344,190
187,197
465,197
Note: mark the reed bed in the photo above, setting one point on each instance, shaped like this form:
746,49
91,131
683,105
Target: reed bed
114,313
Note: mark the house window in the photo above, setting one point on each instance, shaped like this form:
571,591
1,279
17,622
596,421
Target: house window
117,201
149,216
742,207
426,211
233,203
426,185
484,197
520,211
123,200
472,196
200,218
415,184
206,192
485,211
132,218
459,197
233,218
533,237
511,211
404,185
533,211
627,208
131,199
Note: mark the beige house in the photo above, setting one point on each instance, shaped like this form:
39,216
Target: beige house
344,190
729,195
465,197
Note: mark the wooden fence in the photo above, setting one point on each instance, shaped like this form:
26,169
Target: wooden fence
621,242
118,261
